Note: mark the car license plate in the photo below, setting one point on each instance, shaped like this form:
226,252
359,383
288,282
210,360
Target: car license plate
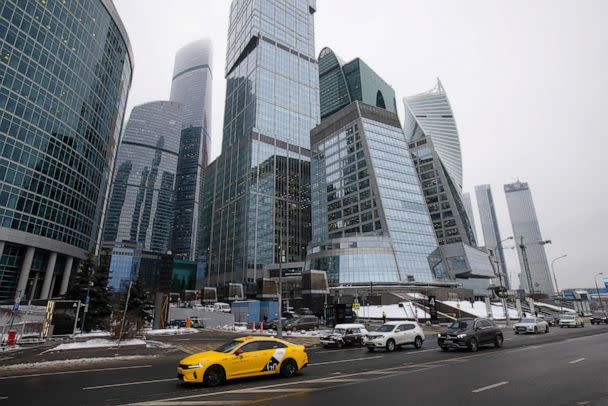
448,341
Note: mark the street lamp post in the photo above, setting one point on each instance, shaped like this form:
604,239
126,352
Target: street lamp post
597,289
280,321
502,299
561,302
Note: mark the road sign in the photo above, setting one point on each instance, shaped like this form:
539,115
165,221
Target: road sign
433,308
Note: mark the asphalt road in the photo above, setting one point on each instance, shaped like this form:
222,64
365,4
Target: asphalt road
564,367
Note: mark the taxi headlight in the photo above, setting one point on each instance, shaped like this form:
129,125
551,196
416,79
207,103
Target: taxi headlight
461,336
194,366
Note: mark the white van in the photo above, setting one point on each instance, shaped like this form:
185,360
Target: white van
221,307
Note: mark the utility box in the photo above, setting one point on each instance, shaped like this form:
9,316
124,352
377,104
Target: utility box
246,311
269,308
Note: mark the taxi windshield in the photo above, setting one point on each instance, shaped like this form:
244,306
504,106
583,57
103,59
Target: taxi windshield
229,346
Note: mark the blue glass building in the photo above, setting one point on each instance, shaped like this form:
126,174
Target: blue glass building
191,86
65,71
257,193
370,221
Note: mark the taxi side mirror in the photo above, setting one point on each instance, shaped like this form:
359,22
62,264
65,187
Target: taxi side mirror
239,352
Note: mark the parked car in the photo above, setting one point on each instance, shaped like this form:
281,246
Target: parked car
599,318
395,334
470,334
344,335
272,324
531,325
571,320
302,323
552,320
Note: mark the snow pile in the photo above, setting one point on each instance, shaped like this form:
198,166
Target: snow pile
170,331
74,362
96,343
478,309
401,311
93,334
553,307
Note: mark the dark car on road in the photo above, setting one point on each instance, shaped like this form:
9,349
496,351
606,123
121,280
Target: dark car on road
470,334
296,323
599,318
344,335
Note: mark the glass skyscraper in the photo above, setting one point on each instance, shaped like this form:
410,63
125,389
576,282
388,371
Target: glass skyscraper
192,87
141,204
489,227
65,71
370,221
257,193
433,140
525,224
468,207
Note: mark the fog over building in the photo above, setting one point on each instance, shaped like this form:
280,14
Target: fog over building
192,87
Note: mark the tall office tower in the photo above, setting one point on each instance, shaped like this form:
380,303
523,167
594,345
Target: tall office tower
261,182
489,228
191,86
468,207
370,222
433,140
525,224
65,71
140,210
432,135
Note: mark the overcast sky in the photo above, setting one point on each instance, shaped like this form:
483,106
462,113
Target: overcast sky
527,82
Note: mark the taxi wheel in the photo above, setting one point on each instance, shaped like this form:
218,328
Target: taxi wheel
288,368
214,376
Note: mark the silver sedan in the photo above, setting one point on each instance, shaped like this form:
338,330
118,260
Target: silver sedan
531,325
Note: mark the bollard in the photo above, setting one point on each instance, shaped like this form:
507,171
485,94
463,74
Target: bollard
253,325
12,338
261,327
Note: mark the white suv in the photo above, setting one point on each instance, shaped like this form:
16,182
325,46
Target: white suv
395,334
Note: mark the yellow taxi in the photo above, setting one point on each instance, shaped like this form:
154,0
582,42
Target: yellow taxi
243,357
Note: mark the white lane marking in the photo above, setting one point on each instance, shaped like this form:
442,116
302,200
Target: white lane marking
338,380
276,390
496,385
344,360
74,372
3,397
196,403
576,361
129,383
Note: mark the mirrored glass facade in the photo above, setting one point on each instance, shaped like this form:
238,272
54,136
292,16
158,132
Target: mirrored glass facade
261,182
489,227
192,87
433,141
141,203
370,221
65,71
525,224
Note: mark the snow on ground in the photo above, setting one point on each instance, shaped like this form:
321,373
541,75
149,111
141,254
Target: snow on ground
553,307
170,331
74,362
479,309
93,334
408,311
96,343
